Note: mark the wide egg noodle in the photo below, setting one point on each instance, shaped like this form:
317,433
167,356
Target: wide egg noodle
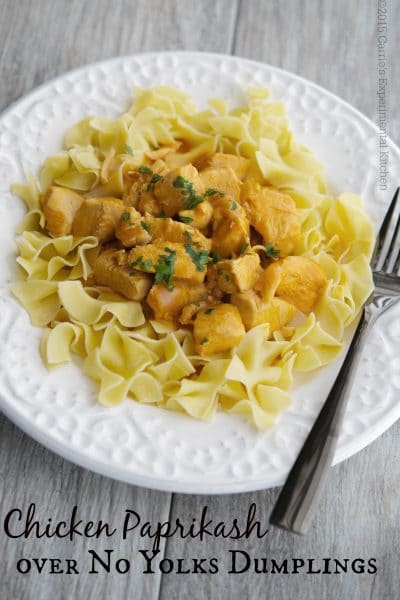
43,257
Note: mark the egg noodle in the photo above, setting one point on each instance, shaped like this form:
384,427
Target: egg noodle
155,362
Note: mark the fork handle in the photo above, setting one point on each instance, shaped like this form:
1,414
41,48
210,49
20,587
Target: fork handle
301,492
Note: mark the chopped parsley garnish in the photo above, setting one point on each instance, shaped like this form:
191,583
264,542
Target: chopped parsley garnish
125,216
145,226
208,311
191,198
271,251
199,257
234,205
128,149
204,341
144,265
185,219
154,179
215,257
212,192
163,215
243,248
187,235
165,268
146,170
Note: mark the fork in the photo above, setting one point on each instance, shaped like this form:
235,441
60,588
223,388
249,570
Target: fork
301,492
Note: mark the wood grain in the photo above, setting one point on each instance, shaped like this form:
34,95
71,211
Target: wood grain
334,44
45,38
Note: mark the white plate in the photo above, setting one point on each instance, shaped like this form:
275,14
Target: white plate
150,446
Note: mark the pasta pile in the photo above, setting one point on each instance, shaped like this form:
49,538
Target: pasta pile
154,362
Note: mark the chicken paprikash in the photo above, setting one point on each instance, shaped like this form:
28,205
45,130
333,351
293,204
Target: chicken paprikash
204,246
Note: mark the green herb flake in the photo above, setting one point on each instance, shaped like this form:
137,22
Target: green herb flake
146,170
271,251
187,235
204,341
208,311
212,192
144,265
136,262
234,205
215,257
191,198
145,226
186,220
147,265
199,257
125,216
128,149
243,248
165,268
163,216
154,179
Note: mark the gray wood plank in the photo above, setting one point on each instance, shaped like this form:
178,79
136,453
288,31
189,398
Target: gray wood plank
41,40
45,38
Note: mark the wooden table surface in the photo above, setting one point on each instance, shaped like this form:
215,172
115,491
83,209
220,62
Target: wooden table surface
333,43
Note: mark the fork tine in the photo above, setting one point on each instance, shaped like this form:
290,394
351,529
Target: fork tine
393,254
381,237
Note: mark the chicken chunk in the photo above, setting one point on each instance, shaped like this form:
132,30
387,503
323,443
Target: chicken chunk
131,284
134,229
179,189
60,206
149,204
273,214
169,257
301,281
238,164
134,186
267,283
200,216
167,304
172,231
222,179
230,228
98,217
217,329
254,311
138,192
236,275
190,310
